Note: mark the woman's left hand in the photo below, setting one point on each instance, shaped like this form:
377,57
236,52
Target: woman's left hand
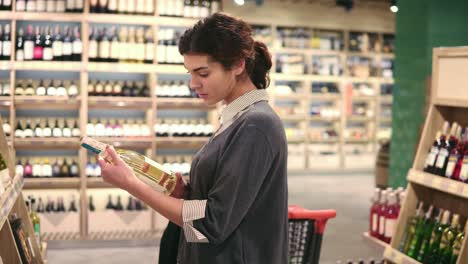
119,174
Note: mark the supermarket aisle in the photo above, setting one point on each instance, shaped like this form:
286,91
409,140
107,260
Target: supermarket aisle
348,193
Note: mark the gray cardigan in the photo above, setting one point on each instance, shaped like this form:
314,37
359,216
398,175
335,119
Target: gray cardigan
242,174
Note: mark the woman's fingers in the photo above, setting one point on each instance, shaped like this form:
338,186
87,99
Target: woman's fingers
113,154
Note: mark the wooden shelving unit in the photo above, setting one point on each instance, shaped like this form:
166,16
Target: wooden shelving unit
448,103
12,203
153,105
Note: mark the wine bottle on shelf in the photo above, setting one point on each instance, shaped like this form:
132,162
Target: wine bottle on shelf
114,45
112,6
20,5
38,45
6,5
20,45
140,46
93,47
56,168
48,52
124,48
108,88
452,170
19,169
70,6
431,158
38,131
6,43
29,90
149,46
147,170
57,131
391,214
40,6
410,229
457,246
77,45
76,132
28,132
127,89
60,6
140,7
423,232
67,45
57,45
448,237
36,168
50,6
66,131
74,169
61,91
131,7
31,6
109,205
117,89
72,207
122,6
79,6
131,42
65,169
29,44
46,168
104,46
118,206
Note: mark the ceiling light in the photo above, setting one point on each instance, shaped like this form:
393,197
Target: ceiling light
239,2
394,8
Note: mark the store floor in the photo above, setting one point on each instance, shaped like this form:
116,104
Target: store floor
349,193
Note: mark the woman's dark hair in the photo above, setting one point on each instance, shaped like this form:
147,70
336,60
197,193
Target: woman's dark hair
228,40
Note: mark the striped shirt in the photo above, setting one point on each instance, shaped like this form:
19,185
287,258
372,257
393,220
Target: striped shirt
195,209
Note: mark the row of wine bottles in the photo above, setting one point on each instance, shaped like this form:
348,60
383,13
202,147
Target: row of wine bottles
45,127
41,44
118,88
118,128
448,156
116,204
126,44
132,7
174,89
167,49
188,8
40,167
183,128
46,88
430,237
69,6
5,42
384,213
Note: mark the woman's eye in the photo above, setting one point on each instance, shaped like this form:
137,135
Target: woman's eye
203,75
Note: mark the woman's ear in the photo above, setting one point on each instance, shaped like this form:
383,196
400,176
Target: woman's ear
239,67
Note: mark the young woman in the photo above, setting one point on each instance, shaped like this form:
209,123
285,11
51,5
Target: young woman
236,208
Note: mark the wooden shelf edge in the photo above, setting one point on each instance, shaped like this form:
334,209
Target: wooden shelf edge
8,198
147,20
397,257
97,182
54,183
375,243
438,183
120,67
72,66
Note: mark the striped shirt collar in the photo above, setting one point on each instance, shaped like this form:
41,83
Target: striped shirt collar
236,106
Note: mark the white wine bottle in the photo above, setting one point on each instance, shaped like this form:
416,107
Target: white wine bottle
147,170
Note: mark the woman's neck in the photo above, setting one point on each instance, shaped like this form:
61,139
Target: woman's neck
242,87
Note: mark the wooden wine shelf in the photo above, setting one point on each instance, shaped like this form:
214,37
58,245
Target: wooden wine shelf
324,141
386,99
5,65
8,198
52,17
5,102
97,182
439,183
386,120
48,66
309,51
359,119
293,96
375,243
357,141
121,19
296,139
296,118
103,102
121,67
52,183
47,102
180,142
363,98
397,257
184,103
46,143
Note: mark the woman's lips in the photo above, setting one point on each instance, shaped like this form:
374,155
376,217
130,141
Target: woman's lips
201,95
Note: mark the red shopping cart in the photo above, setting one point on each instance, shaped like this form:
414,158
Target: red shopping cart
306,229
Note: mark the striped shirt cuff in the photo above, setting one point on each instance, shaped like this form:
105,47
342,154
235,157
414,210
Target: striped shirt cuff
193,210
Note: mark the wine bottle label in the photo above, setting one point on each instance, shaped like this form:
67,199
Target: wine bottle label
443,154
390,225
104,49
48,54
28,50
31,6
67,48
6,2
57,47
74,170
76,132
60,6
381,225
79,4
47,132
38,132
50,6
93,49
41,6
89,170
451,165
149,7
67,132
20,55
114,50
140,6
77,47
57,132
124,51
93,145
20,5
70,4
374,222
464,169
149,51
6,48
161,53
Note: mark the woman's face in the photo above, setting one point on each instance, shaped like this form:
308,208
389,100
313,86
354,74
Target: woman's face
210,80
